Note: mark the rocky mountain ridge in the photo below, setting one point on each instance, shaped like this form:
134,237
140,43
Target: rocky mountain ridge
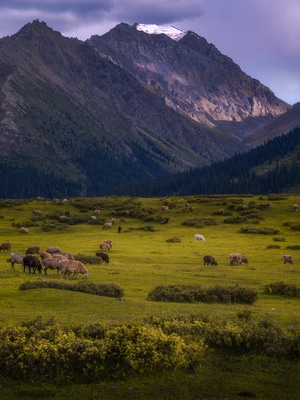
126,106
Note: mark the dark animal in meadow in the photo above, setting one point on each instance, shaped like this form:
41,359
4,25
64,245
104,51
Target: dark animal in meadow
52,250
33,250
5,246
209,260
288,259
33,264
104,256
64,254
72,267
40,198
120,229
52,263
16,258
237,259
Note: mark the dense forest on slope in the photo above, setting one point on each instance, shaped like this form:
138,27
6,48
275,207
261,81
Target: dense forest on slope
273,167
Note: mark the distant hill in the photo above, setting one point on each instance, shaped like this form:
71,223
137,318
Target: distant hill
273,167
89,118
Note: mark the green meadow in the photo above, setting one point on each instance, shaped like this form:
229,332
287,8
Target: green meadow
157,248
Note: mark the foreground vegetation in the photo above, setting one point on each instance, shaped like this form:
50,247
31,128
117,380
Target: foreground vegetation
154,321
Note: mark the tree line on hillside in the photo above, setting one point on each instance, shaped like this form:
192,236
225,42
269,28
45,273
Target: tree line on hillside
273,167
236,175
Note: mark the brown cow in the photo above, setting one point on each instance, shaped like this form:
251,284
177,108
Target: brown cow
5,246
209,260
33,250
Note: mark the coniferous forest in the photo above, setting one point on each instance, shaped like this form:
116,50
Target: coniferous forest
273,167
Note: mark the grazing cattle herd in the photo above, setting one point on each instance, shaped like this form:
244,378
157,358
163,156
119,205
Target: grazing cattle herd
34,259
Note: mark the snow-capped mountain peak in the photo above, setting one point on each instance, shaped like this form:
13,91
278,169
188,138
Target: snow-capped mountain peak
154,29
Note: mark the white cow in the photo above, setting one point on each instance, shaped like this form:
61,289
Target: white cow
199,237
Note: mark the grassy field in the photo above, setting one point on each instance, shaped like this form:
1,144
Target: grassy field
142,257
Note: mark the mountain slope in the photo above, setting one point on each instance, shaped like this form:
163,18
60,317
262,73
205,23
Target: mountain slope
282,124
85,118
194,78
273,167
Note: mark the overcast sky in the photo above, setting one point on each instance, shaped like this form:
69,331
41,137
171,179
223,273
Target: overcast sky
262,36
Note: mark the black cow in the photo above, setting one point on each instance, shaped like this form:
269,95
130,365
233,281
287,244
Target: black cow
33,263
104,257
209,260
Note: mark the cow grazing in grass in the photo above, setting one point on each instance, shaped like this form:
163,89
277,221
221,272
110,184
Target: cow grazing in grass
105,246
16,258
107,225
237,259
288,259
199,237
103,256
52,263
5,246
52,250
64,254
44,255
33,264
33,250
209,260
72,267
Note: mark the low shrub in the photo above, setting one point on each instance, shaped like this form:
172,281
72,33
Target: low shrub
235,220
261,231
60,356
243,336
273,246
282,289
278,239
108,290
293,247
88,259
173,240
199,222
196,293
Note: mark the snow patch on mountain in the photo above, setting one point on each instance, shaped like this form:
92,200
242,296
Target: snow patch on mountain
154,29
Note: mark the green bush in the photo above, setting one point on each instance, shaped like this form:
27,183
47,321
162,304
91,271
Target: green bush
173,240
261,231
88,259
196,293
293,247
235,220
282,289
58,355
199,222
108,290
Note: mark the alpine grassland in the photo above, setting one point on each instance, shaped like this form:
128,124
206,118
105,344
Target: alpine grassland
154,322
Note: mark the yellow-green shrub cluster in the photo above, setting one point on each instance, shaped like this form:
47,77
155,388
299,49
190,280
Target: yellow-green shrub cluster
52,353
